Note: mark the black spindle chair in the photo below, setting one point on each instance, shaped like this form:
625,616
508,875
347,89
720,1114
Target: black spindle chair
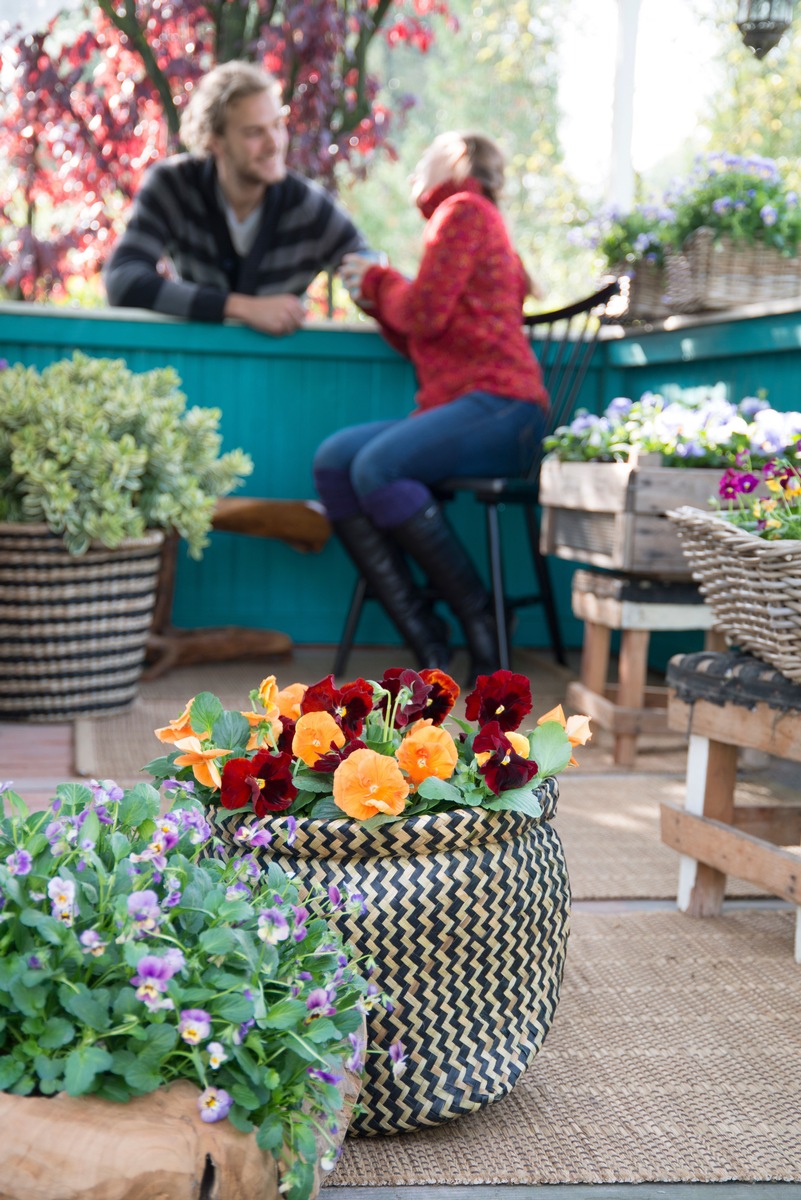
564,351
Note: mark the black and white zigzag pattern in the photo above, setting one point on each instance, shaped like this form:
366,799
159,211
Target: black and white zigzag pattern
467,920
73,631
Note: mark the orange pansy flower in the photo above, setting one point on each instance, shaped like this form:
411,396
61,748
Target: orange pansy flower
314,733
519,742
258,739
367,783
201,761
288,700
179,728
427,750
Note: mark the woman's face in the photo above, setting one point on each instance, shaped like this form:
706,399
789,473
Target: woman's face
436,165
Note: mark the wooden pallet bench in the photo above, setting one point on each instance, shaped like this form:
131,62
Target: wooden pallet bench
725,702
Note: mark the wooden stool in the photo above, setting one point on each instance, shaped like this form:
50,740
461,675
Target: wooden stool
725,701
637,606
300,523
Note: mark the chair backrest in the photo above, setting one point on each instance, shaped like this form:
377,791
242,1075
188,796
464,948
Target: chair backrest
565,351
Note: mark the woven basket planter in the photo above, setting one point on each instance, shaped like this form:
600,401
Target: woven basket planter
753,586
467,921
712,273
73,630
155,1147
646,292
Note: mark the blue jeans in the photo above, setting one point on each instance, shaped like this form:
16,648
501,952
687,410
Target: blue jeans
385,468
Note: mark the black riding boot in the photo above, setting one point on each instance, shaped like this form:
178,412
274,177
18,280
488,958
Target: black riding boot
382,564
429,540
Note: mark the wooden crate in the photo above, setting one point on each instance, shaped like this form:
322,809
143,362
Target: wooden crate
613,514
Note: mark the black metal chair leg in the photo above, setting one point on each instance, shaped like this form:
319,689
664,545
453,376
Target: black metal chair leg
351,623
496,577
546,587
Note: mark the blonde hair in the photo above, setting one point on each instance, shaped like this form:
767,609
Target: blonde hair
484,160
205,114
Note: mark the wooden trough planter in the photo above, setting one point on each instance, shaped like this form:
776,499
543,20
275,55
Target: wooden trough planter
613,515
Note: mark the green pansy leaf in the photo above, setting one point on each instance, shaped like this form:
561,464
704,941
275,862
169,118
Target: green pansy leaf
142,1076
550,749
161,768
28,1000
161,1039
56,1033
15,802
232,1008
49,928
240,1119
347,1022
77,794
120,846
234,910
112,1089
285,1014
522,800
326,810
381,819
231,731
245,1097
312,781
91,1008
322,1030
47,1068
270,1134
439,789
204,714
10,1072
138,805
218,940
82,1066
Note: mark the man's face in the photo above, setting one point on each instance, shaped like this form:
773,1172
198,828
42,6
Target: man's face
253,146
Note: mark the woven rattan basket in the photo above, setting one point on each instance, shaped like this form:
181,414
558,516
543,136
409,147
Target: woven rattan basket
753,586
712,273
466,918
73,630
645,296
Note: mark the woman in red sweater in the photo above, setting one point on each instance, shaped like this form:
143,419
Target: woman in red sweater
480,408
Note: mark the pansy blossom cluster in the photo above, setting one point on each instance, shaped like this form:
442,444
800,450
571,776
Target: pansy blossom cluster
131,957
775,516
375,751
696,427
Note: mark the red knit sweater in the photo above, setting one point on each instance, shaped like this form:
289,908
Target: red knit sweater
459,320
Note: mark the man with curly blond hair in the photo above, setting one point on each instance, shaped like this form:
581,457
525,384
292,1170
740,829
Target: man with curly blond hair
245,235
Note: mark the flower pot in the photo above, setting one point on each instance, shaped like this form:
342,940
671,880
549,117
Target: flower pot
713,272
72,629
647,283
467,916
752,586
153,1148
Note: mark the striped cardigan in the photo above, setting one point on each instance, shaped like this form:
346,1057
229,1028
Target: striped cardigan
177,214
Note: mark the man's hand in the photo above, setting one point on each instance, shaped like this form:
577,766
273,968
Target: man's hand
278,315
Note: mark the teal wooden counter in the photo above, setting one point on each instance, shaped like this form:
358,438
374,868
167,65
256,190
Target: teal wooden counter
280,397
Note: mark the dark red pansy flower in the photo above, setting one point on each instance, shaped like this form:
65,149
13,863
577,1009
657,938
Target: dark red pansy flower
404,677
284,742
264,780
503,697
328,763
348,705
443,695
505,768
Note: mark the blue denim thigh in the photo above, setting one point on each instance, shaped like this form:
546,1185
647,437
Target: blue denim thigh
477,434
337,452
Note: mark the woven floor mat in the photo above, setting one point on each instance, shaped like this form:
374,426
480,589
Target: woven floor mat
675,1056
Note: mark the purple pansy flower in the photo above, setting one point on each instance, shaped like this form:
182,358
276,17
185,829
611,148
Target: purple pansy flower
273,926
214,1104
399,1060
194,1025
143,908
19,863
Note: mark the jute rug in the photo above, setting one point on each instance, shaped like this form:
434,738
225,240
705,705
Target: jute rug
675,1056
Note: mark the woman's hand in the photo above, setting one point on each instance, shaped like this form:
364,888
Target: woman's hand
352,271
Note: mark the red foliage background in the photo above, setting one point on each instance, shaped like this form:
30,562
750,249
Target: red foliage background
96,96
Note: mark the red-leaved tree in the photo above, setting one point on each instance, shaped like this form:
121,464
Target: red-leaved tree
97,96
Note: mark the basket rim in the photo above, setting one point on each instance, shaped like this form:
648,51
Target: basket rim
151,537
717,525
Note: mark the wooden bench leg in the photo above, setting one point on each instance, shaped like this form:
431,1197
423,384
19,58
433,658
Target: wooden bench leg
711,775
632,670
595,657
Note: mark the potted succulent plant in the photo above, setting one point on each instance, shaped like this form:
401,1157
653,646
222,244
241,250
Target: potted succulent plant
164,1018
447,837
96,463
